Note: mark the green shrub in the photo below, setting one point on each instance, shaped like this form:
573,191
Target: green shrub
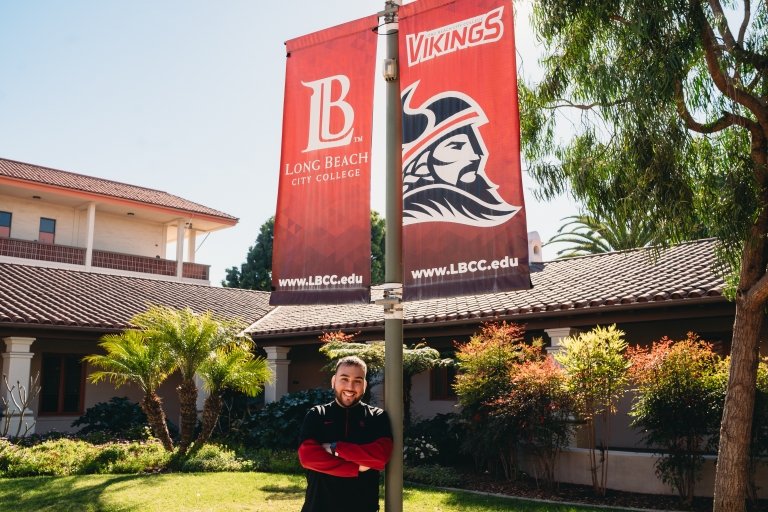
70,457
129,458
539,407
439,476
119,418
7,456
445,432
277,424
487,363
211,457
76,457
284,461
419,451
678,405
596,370
60,457
270,461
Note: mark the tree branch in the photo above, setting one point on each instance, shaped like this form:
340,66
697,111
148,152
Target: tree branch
722,24
727,120
723,82
736,47
745,21
563,103
619,18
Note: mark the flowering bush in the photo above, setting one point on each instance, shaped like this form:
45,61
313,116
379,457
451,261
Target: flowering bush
487,364
678,406
419,451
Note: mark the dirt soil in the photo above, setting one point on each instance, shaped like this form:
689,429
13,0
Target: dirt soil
584,494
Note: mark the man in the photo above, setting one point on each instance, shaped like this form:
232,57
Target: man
344,446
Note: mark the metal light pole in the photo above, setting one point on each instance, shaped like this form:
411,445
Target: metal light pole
393,264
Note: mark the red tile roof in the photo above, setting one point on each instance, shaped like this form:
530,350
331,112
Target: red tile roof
680,274
33,296
79,182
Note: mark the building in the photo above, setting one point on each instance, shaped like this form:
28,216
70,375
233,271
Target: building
79,256
647,293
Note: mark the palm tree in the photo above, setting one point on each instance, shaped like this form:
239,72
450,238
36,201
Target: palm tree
592,234
189,338
234,368
132,356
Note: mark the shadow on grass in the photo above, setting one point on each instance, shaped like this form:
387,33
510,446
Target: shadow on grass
59,494
283,492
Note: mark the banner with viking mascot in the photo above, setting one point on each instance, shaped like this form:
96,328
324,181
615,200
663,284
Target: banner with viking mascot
322,252
464,227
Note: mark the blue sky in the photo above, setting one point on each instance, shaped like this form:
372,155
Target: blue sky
183,96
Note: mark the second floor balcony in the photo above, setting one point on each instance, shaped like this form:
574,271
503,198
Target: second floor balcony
33,250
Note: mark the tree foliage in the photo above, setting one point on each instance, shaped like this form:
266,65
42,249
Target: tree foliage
678,406
538,409
133,357
486,360
189,338
596,372
165,340
256,272
487,364
233,368
674,102
590,234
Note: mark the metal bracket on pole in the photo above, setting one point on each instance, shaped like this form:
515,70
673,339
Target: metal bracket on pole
392,301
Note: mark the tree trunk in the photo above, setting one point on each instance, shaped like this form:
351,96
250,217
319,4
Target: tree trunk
152,406
735,430
211,412
188,411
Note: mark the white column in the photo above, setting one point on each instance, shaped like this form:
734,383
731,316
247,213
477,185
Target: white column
17,363
277,360
180,248
191,242
557,335
89,235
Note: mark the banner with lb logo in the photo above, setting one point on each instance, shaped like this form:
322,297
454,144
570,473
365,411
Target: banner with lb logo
464,226
322,252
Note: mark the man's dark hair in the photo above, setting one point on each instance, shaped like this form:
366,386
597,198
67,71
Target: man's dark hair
351,361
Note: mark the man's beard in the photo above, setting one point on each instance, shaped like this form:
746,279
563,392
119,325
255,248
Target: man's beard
340,399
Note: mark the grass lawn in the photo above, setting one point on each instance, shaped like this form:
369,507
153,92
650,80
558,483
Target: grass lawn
189,492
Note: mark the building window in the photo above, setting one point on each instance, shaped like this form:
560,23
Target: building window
5,224
441,383
47,230
62,381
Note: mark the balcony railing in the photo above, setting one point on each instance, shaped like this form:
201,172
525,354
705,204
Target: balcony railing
103,259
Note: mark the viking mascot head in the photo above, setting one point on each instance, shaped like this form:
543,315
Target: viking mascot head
444,163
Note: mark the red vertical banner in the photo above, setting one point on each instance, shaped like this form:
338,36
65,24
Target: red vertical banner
322,252
464,228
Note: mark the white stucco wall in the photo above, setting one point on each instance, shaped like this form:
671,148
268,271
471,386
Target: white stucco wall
114,233
25,223
128,235
422,407
633,472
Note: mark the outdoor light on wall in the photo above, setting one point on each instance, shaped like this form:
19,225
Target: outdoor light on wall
35,197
